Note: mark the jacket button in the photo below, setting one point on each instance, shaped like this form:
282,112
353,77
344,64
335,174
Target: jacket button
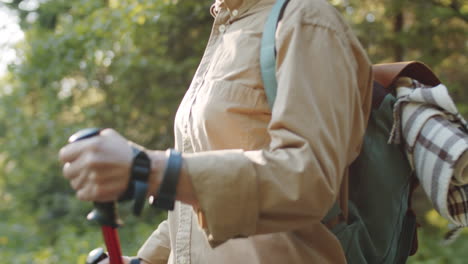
222,28
234,12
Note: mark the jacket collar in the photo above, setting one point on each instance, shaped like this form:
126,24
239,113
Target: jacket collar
236,4
240,5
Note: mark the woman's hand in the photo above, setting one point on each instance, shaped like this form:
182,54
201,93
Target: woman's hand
98,167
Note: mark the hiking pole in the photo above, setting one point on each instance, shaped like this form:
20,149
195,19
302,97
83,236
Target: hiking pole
105,213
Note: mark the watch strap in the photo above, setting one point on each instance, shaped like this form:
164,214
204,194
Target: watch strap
140,191
138,184
165,197
140,171
141,165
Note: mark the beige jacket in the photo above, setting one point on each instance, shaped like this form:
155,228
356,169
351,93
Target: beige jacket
265,179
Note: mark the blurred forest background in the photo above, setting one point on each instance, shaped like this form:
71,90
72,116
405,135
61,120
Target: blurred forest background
126,64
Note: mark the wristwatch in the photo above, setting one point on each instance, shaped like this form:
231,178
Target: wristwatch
138,184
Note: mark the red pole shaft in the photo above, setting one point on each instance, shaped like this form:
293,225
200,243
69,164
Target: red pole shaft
111,237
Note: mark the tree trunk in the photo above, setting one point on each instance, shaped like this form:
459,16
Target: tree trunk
399,49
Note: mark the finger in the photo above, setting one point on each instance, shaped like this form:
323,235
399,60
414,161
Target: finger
78,182
111,175
70,170
86,193
72,151
66,170
97,173
99,192
106,192
75,168
91,163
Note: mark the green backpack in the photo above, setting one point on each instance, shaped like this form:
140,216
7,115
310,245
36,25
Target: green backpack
380,227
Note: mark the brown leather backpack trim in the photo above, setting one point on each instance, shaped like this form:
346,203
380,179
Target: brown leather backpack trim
387,73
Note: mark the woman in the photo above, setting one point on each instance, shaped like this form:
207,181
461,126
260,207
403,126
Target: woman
255,183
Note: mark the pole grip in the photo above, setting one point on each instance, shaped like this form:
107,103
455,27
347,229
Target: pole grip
105,214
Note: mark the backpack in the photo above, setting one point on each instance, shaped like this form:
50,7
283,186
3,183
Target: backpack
380,226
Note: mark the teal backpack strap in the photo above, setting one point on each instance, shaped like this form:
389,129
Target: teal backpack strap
268,51
332,214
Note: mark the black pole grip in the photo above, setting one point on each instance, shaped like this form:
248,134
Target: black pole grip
103,213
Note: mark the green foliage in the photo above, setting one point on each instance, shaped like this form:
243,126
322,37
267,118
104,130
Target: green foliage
24,241
434,32
120,64
126,64
432,251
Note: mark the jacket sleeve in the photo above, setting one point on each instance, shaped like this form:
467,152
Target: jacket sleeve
157,247
316,129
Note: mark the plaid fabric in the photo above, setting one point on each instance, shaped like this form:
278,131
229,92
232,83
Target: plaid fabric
436,141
